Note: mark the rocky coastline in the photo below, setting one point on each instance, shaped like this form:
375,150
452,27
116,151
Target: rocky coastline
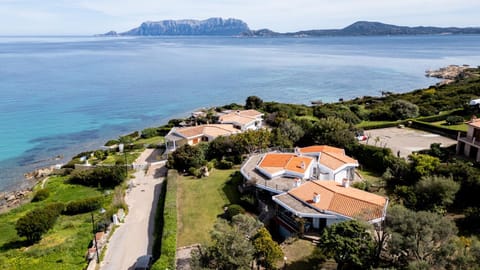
449,74
22,193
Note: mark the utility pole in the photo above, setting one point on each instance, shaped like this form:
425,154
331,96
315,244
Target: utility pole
95,238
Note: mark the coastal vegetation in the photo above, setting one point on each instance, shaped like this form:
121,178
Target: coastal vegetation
63,245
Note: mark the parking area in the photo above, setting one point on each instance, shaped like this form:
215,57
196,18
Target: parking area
404,141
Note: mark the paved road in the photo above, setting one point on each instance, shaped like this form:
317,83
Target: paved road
134,238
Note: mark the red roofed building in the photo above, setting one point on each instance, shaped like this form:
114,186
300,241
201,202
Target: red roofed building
322,203
470,145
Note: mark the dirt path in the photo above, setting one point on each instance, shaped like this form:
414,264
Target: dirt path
134,238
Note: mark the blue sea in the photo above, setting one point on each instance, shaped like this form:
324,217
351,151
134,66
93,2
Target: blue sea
64,95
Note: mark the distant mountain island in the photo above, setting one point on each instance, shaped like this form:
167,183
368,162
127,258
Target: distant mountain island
235,27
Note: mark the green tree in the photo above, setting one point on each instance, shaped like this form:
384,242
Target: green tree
423,164
231,247
38,221
435,192
267,251
253,102
419,237
287,134
332,131
403,109
252,140
186,157
349,244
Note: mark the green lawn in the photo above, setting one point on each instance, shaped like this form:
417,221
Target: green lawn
460,127
303,255
367,124
152,140
120,157
307,117
63,247
200,201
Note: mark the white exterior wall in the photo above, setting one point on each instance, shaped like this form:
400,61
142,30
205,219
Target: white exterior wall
470,131
331,221
326,173
339,176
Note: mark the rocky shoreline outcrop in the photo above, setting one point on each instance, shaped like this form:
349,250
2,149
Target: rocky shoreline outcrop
22,194
449,74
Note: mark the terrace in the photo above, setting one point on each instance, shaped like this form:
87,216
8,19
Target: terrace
276,185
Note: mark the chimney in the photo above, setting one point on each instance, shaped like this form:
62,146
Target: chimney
345,183
302,165
298,182
316,197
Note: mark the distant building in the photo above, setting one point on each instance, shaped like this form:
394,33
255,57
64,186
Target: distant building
242,119
179,136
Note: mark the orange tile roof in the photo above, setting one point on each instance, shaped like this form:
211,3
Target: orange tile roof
474,122
233,118
274,162
251,113
350,202
208,130
321,148
334,160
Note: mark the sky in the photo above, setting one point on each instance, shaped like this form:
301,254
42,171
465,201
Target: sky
86,17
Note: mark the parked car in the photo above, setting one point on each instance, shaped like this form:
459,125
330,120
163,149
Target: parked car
144,262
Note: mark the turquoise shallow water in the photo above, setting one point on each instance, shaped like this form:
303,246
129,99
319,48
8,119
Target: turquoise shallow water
62,95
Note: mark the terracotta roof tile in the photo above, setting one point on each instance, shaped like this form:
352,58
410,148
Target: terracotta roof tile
334,160
213,130
474,122
335,198
321,148
274,162
250,113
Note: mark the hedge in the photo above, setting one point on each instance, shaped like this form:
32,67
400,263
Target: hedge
83,206
439,117
435,129
165,244
373,125
38,221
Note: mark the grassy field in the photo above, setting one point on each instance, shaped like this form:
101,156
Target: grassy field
63,247
152,140
367,124
303,255
120,157
443,124
200,201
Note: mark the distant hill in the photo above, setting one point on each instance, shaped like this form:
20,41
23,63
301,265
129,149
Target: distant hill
235,27
208,27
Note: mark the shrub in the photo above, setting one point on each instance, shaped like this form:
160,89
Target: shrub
403,109
106,177
195,172
38,221
224,164
233,210
149,133
41,195
111,142
454,120
83,206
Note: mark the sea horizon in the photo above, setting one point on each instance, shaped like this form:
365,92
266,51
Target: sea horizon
61,95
